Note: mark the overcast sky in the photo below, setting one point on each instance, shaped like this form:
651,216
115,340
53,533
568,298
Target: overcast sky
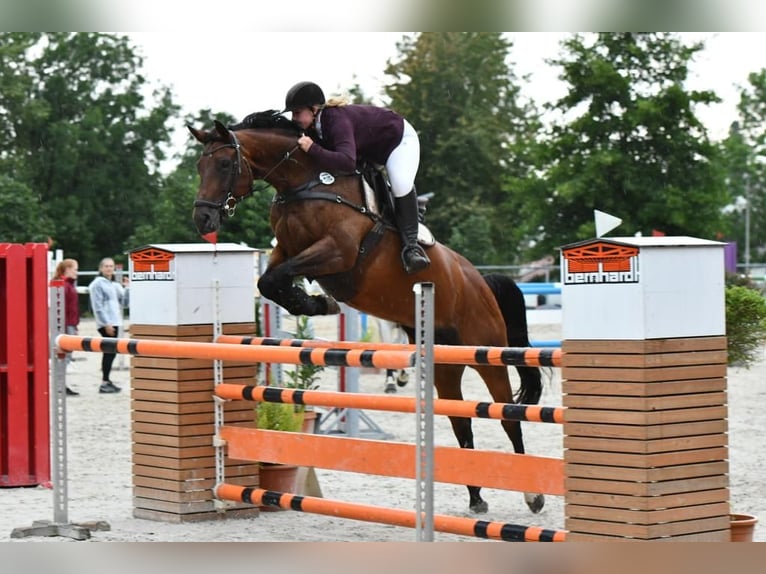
242,73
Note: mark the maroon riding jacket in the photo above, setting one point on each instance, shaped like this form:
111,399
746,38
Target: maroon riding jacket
353,132
71,304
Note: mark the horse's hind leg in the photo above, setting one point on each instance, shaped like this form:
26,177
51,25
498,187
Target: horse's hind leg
447,380
499,386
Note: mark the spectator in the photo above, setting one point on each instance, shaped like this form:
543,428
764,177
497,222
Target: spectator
107,298
67,270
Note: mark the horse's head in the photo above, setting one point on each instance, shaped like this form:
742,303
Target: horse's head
225,176
229,163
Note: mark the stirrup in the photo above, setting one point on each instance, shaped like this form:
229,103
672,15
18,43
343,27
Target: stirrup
414,258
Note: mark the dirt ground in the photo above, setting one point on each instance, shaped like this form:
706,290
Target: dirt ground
99,466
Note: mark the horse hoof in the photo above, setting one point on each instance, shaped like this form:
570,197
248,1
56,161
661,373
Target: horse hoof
479,507
535,502
390,388
402,379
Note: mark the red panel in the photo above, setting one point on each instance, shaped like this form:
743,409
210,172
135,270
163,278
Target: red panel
24,405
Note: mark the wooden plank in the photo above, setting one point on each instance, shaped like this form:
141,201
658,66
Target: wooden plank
644,361
193,452
646,489
646,460
645,432
173,496
661,417
232,469
172,397
151,416
661,403
175,507
193,374
669,501
644,346
455,465
644,375
172,440
660,445
173,485
190,408
649,531
712,536
172,386
173,430
645,517
636,389
664,473
239,511
138,330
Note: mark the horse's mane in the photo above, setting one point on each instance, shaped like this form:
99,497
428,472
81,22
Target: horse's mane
267,119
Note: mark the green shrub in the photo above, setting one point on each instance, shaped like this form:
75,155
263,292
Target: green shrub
279,416
745,325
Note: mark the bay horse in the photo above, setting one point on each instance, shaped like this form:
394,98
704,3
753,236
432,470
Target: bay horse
326,232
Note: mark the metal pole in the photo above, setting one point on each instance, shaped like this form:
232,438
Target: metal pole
747,224
424,414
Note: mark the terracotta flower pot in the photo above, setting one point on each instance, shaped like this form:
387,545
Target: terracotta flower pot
278,477
742,527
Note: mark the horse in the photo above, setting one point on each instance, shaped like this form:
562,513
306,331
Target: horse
326,231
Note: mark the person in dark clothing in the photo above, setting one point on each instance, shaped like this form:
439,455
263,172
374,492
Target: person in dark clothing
339,134
66,271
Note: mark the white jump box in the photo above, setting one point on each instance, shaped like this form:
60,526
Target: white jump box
635,288
174,284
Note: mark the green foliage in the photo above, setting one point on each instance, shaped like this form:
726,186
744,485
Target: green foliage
303,376
459,91
22,217
77,130
279,416
628,143
745,325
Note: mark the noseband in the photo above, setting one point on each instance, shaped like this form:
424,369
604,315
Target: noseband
229,205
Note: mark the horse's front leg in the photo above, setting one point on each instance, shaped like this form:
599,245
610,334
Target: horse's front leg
278,284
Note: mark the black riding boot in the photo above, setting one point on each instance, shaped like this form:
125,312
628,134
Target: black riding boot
414,257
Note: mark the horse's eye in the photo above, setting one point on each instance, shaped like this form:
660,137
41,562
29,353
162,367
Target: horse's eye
224,164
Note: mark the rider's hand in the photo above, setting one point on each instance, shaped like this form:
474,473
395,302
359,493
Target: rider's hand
305,142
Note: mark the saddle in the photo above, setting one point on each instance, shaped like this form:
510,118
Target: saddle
379,199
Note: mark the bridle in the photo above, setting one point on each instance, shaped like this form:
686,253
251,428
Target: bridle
229,204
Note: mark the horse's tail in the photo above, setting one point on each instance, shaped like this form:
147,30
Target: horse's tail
514,309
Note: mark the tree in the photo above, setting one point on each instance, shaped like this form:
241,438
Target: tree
21,218
628,144
80,134
745,150
169,219
461,95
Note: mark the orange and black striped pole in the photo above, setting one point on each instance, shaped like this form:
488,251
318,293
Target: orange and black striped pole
394,516
443,354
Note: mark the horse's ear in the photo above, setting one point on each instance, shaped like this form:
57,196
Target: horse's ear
200,135
222,129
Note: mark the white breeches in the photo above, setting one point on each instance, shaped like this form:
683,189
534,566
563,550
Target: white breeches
402,164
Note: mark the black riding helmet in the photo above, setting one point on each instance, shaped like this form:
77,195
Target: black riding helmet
303,95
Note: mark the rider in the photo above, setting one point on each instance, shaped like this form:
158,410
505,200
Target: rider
344,132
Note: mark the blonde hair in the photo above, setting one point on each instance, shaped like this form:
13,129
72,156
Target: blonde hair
63,265
337,101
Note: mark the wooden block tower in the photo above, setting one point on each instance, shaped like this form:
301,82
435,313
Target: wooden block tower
644,371
176,291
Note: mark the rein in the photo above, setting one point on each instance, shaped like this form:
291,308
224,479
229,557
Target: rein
229,205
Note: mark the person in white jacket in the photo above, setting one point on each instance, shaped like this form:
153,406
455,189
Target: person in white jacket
107,299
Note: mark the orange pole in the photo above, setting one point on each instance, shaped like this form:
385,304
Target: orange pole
447,407
384,358
443,354
396,517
